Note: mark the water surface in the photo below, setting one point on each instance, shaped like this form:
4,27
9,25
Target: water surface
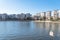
28,30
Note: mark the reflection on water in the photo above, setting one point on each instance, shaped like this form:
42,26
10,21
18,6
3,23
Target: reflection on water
16,30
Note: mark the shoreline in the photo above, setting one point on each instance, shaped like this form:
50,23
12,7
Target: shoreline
34,21
47,21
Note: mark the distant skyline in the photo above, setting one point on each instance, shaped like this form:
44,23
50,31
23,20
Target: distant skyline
28,6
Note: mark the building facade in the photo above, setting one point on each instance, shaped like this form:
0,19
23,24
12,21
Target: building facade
43,15
48,15
55,14
27,15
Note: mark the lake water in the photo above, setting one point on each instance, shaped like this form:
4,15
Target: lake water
28,30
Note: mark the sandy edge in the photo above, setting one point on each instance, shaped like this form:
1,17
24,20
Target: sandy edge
47,21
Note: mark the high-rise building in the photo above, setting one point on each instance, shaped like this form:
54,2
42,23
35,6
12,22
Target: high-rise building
43,14
48,15
55,14
22,16
38,15
58,13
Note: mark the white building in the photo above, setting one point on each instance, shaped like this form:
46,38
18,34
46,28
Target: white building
55,14
22,16
43,14
58,13
12,16
18,16
28,15
4,16
38,15
48,15
0,16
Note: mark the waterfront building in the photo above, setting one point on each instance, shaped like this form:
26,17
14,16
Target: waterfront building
59,14
0,16
9,16
12,16
18,16
48,15
22,16
35,17
4,16
55,14
28,15
38,16
43,15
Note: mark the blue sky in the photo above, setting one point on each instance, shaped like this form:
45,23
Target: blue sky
28,6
